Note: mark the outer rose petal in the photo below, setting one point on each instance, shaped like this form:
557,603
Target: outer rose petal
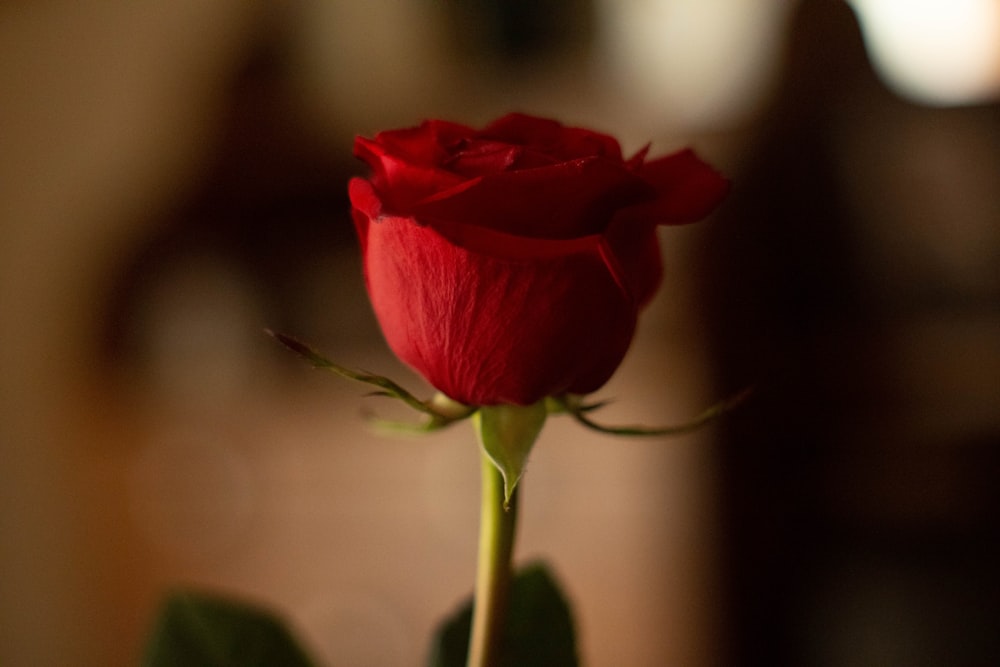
402,182
428,144
636,249
561,201
552,137
488,329
688,188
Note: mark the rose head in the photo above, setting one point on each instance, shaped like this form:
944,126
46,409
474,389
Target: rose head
510,263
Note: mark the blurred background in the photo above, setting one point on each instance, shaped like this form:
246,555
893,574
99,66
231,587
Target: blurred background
172,181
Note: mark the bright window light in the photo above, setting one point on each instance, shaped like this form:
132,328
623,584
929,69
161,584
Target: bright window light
706,63
937,52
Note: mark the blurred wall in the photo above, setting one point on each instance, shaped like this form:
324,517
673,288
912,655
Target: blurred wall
104,110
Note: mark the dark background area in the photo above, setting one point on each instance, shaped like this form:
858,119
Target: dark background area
860,487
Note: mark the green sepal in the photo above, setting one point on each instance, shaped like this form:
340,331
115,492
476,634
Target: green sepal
201,630
507,433
440,410
538,632
569,403
573,406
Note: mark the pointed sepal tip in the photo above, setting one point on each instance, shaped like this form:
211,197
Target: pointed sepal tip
507,433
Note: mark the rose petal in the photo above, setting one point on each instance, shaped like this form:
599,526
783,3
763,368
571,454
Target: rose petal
483,157
688,189
561,201
488,330
402,183
428,144
551,137
363,198
486,241
636,161
635,257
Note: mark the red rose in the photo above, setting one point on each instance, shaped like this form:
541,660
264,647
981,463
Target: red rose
510,263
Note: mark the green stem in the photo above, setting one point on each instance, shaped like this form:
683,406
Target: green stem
493,574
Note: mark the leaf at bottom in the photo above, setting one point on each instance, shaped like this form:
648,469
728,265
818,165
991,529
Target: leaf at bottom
539,629
200,630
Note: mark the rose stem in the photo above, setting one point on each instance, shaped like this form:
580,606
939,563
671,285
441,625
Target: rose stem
493,574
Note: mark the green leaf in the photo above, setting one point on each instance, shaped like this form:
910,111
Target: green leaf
200,630
539,630
507,434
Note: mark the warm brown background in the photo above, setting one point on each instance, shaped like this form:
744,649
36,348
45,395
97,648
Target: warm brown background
172,181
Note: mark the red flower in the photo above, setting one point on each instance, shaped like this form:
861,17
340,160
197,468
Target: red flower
510,263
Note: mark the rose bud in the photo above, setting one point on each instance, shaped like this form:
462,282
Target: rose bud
509,264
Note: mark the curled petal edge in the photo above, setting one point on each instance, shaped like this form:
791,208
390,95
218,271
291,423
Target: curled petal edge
492,243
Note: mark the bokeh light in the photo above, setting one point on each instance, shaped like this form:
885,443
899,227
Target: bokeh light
939,52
